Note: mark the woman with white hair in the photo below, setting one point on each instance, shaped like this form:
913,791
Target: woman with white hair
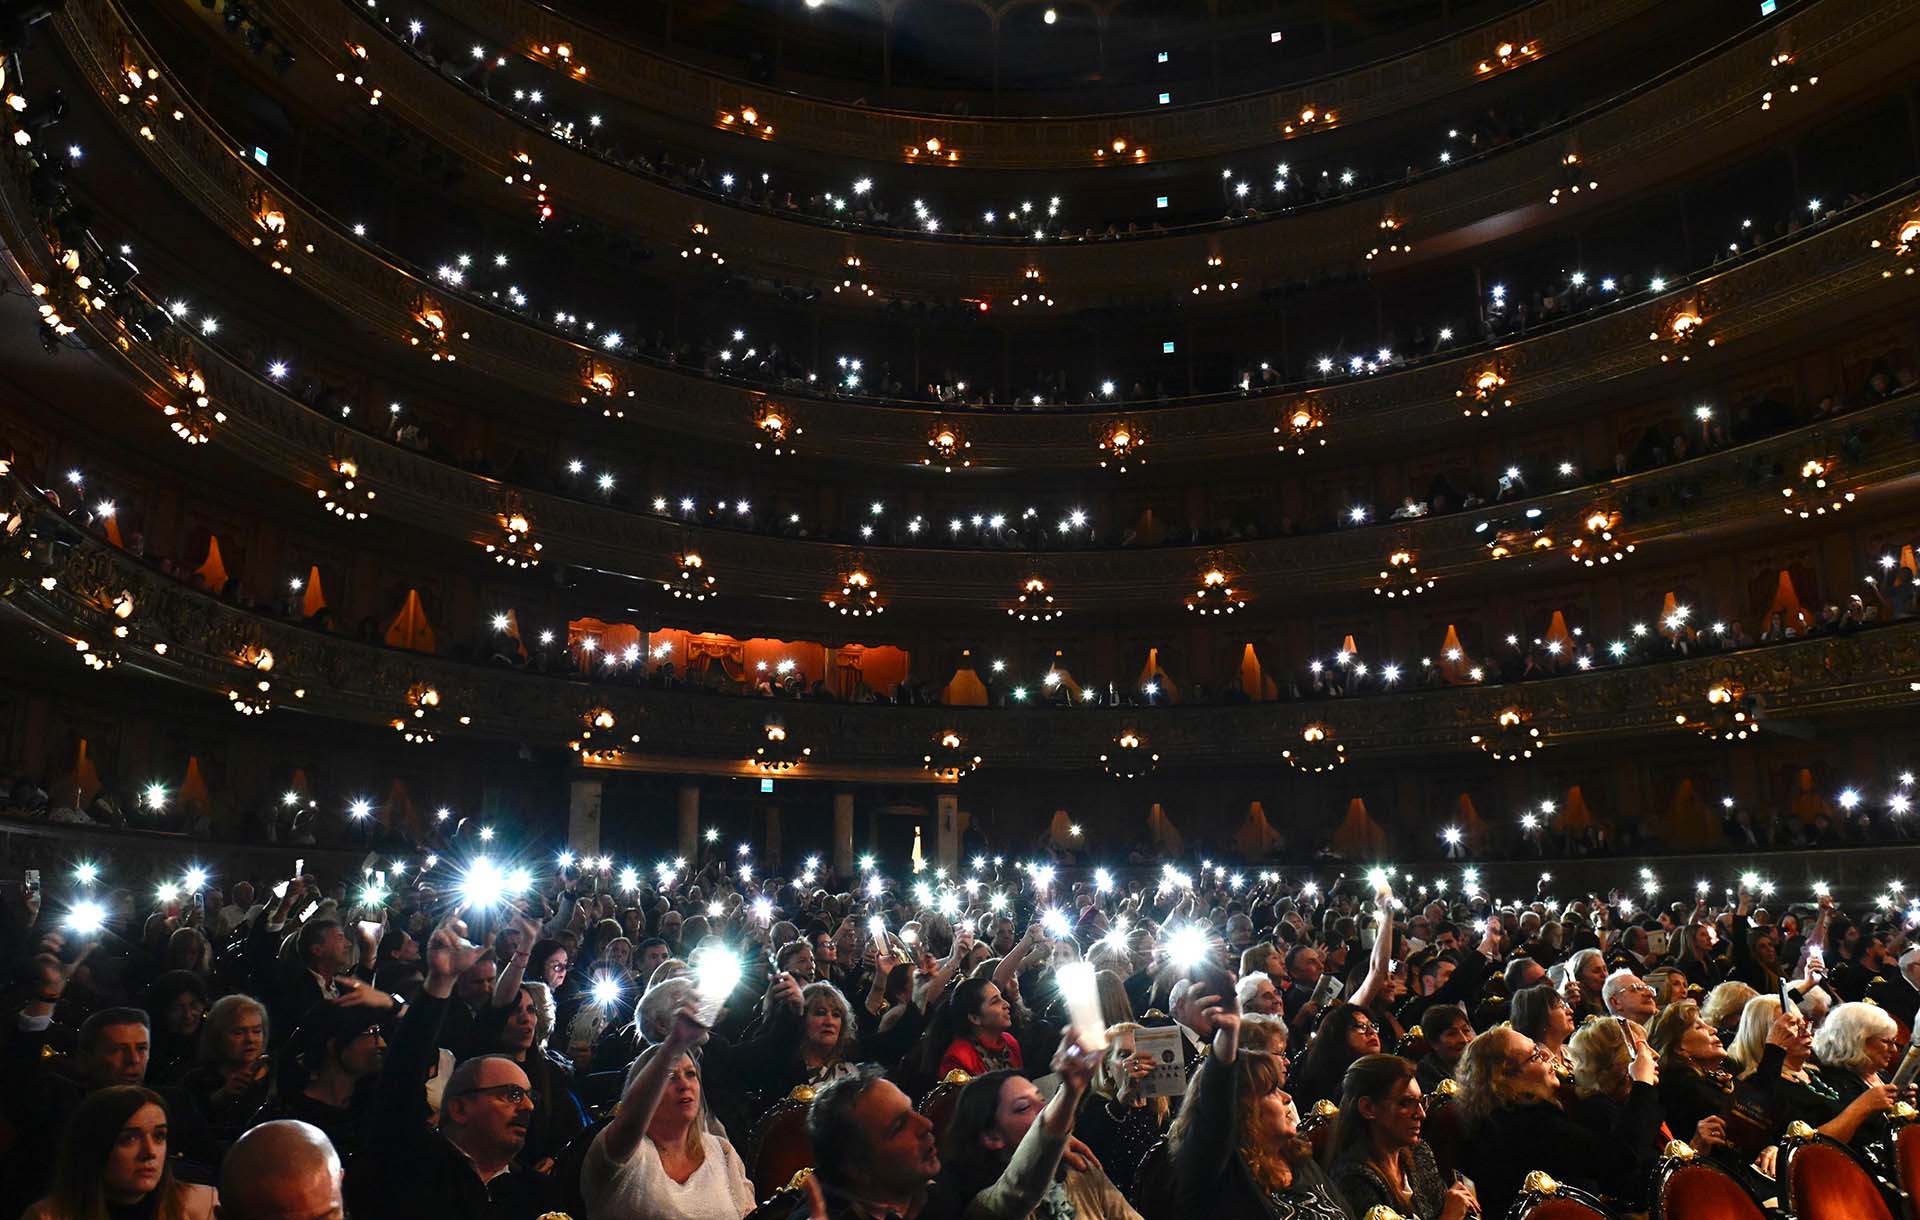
1768,1042
1856,1048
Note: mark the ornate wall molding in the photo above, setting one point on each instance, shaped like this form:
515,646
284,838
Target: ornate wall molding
208,644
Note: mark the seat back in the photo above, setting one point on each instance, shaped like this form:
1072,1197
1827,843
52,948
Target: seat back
1317,1125
1698,1189
1413,1045
1906,1156
1822,1179
780,1145
1442,1129
939,1103
1542,1198
1153,1185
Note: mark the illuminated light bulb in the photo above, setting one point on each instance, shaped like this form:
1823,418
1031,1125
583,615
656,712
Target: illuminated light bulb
86,917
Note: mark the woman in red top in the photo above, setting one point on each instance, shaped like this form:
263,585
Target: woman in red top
978,1020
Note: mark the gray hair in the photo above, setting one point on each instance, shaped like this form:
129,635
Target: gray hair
658,1004
1248,984
1616,982
1842,1040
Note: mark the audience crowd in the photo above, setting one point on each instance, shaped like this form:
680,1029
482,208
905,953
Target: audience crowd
466,1038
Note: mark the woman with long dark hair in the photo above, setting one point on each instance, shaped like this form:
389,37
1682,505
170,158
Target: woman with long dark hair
113,1162
1236,1146
976,1025
1376,1155
987,1146
1346,1033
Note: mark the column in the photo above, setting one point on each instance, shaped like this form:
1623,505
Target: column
583,816
689,809
843,834
947,831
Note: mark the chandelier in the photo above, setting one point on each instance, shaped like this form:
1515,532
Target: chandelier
949,758
1317,750
193,421
693,583
1513,739
1120,445
1599,546
255,701
774,429
423,704
346,499
1730,714
1811,497
1215,595
1484,393
1684,328
857,597
516,548
1129,758
1302,423
779,754
1401,577
602,387
1034,604
949,446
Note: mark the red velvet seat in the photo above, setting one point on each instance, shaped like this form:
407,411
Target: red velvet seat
940,1100
1906,1155
1822,1179
1442,1129
1694,1188
780,1145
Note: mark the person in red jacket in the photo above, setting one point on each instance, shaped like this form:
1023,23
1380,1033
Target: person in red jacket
981,1020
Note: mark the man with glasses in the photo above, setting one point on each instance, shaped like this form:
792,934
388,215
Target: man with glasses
1627,995
465,1168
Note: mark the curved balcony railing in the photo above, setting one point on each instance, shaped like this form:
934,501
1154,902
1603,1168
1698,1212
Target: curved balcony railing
669,87
66,584
1796,285
1635,142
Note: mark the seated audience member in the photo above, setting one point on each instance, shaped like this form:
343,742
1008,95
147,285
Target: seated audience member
1118,1123
1448,1030
177,1003
1344,1035
1543,1014
657,1159
1694,1082
322,1071
407,1168
1722,1008
1627,995
281,1170
877,1155
1509,1101
976,1021
1856,1047
113,1163
1605,1054
215,1101
516,1024
1769,1042
1002,1155
1236,1147
1375,1153
1256,993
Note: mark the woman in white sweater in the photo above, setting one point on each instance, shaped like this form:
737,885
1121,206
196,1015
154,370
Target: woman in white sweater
657,1160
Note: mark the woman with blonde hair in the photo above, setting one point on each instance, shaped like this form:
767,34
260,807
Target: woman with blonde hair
1509,1101
1721,1008
1771,1047
112,1161
215,1100
657,1159
1117,1122
1856,1047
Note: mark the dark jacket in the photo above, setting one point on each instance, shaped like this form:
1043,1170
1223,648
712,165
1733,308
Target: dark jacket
407,1169
1365,1189
1513,1142
1210,1176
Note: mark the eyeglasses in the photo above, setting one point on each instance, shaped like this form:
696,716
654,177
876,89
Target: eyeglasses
512,1094
1365,1027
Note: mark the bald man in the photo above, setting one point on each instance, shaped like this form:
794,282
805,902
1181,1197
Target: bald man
283,1170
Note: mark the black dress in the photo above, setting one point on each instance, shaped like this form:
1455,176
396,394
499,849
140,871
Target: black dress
1500,1152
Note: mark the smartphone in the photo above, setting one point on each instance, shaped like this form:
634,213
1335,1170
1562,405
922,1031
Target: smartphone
307,912
280,891
33,881
1787,1003
300,866
1633,1049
